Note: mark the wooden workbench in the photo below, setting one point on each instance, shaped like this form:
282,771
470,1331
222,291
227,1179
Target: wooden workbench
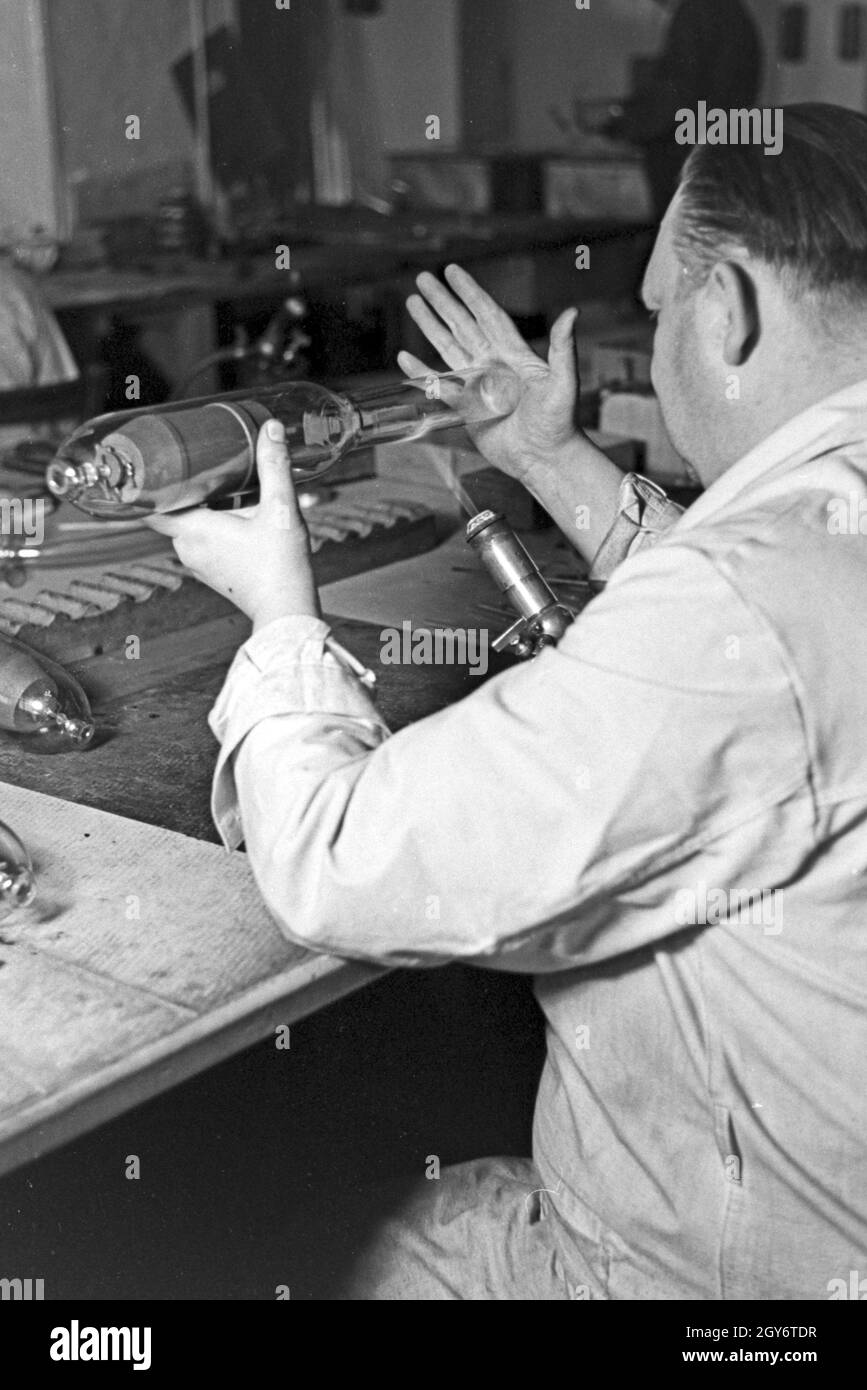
153,756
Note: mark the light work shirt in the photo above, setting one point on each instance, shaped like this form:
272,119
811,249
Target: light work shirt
665,820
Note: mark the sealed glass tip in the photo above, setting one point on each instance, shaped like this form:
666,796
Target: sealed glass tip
17,880
42,701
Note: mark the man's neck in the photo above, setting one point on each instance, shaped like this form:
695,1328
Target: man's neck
788,397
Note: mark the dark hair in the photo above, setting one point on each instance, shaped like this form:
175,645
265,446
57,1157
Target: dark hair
802,211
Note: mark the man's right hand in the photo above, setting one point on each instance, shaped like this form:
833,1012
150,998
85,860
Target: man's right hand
468,329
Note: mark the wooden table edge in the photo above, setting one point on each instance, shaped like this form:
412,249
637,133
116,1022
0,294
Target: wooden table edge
214,1035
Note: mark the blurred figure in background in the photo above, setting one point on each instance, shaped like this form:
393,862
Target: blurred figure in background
712,53
33,351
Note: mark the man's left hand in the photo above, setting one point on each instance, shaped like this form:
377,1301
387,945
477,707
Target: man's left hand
259,557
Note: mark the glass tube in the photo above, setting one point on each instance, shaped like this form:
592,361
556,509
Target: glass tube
164,458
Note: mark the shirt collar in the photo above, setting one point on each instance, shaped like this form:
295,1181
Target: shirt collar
832,423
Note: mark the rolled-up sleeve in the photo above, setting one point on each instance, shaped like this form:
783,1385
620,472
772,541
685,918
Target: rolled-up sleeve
285,674
509,828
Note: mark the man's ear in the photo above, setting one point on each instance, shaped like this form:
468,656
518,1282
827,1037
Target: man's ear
733,293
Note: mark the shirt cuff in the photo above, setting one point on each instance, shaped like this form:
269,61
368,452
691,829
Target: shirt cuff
644,514
284,669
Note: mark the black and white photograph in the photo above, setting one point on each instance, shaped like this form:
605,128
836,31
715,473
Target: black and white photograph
433,670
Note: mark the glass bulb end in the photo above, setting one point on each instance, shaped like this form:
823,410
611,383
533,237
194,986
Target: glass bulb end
17,887
62,479
23,888
79,731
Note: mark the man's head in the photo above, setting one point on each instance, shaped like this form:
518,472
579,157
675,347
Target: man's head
759,277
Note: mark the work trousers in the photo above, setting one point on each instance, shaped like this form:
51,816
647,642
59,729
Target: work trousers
484,1230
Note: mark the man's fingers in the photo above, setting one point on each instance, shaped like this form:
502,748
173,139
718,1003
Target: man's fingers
278,504
499,329
561,354
465,330
413,367
498,390
167,523
436,332
180,523
193,527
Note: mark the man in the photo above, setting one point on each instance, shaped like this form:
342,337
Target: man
712,53
33,350
665,818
